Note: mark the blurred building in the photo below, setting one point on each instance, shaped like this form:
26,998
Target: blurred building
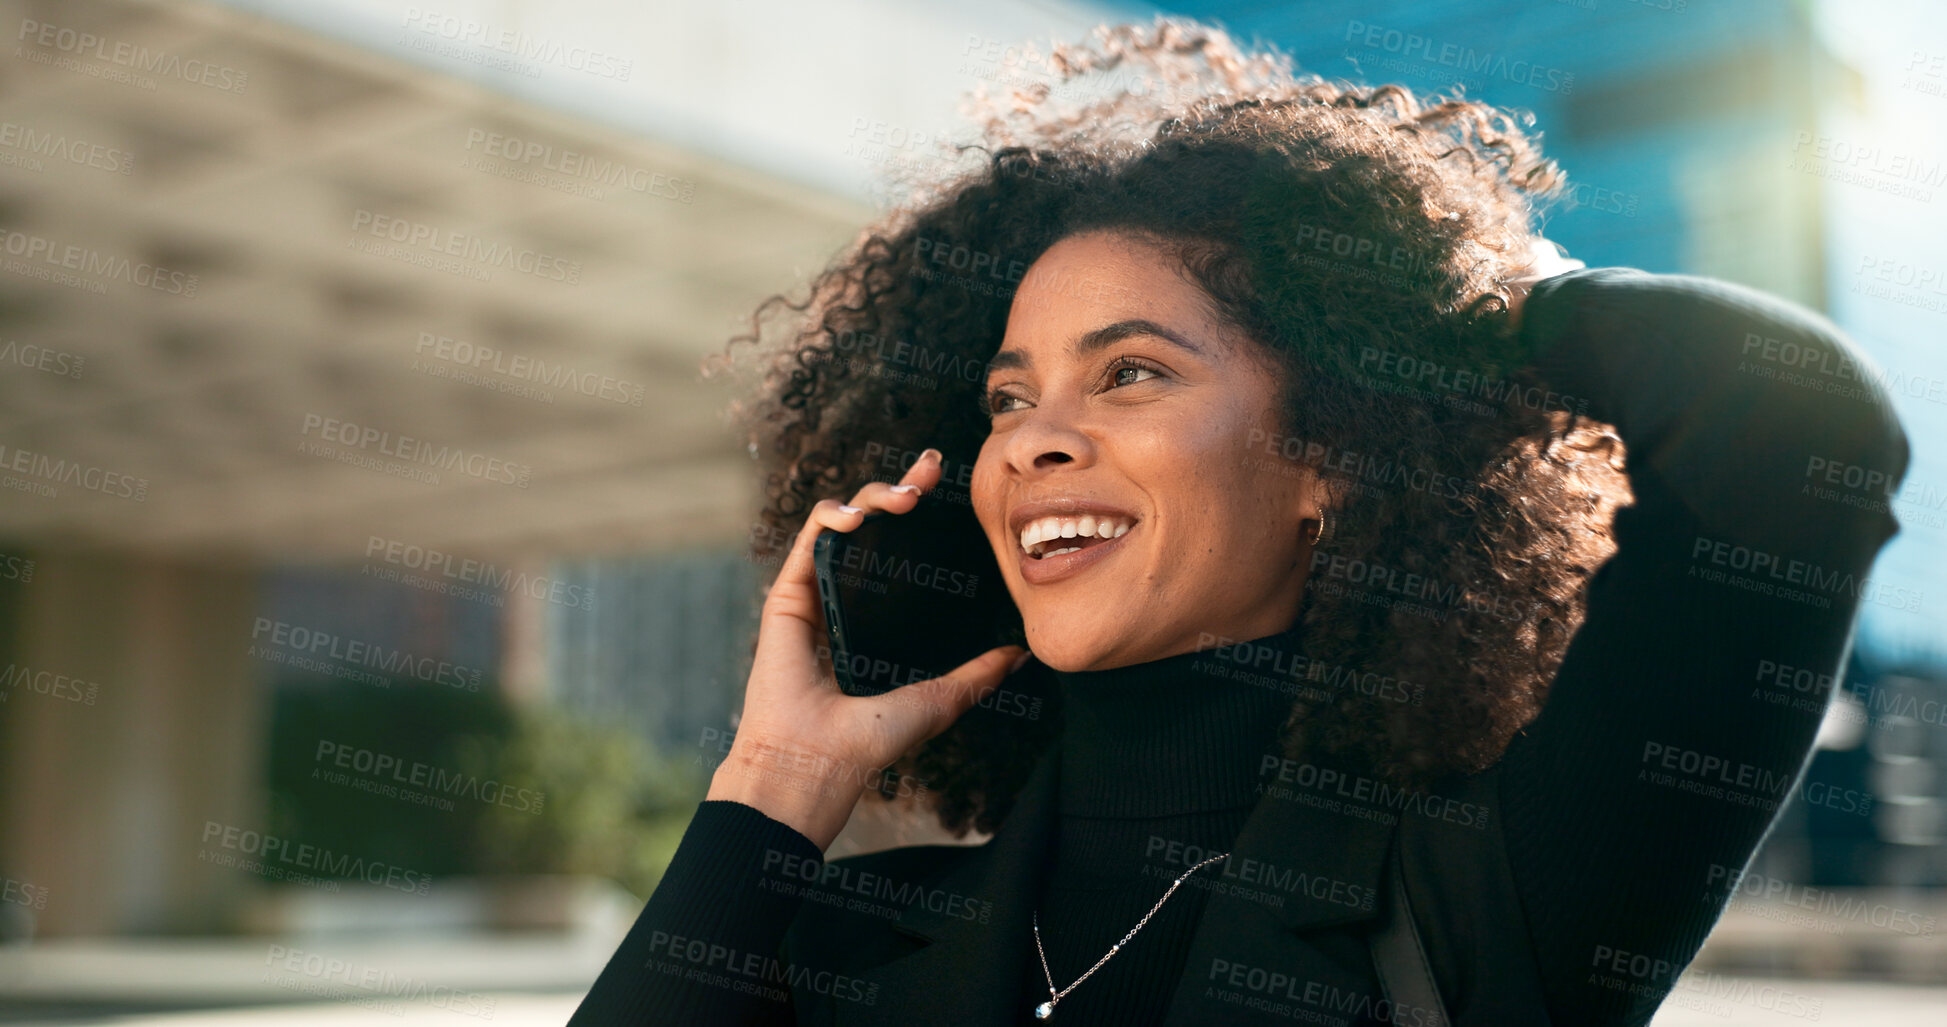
1747,141
318,315
353,349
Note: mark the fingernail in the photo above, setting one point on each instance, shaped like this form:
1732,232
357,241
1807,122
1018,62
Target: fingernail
849,509
905,488
1020,661
934,453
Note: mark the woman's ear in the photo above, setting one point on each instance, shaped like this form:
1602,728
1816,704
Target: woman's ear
1316,510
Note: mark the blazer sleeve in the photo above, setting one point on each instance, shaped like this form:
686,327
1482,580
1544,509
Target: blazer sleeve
706,947
1762,452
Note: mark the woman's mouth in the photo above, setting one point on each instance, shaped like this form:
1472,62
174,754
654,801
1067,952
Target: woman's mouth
1055,547
1053,536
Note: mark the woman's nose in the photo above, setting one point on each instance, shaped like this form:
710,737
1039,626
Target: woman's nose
1048,440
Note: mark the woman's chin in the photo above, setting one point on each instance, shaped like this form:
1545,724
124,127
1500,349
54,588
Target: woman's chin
1068,652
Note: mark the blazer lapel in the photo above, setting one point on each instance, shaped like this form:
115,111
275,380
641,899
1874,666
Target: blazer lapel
1305,862
969,971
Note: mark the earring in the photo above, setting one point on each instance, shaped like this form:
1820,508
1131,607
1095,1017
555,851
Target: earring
1324,532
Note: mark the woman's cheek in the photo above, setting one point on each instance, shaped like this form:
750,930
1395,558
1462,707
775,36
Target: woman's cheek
983,489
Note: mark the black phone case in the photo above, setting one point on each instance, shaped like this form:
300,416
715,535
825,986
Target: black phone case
942,600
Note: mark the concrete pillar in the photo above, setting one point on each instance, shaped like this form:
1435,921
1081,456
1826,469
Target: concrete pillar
524,637
132,717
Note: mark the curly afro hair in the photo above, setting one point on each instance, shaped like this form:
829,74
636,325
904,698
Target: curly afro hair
1364,236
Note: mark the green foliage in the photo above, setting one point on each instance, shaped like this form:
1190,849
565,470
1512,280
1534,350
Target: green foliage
500,789
614,807
327,789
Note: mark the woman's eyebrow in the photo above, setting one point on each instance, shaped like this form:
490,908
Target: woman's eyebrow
1096,339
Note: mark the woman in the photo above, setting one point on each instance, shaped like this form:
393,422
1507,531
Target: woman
1295,446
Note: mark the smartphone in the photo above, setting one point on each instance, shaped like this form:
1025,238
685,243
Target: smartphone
911,596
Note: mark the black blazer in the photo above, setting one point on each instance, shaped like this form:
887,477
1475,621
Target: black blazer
935,965
1573,880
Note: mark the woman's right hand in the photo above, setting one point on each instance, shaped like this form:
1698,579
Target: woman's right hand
805,751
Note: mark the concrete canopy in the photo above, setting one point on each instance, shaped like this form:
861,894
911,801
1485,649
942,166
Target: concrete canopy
228,239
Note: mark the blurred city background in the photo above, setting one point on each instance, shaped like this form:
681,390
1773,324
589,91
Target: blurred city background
288,706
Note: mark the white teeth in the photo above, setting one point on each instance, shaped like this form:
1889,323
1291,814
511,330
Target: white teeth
1047,529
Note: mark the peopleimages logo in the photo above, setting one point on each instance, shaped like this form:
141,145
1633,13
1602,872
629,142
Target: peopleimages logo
1744,784
40,253
1358,795
875,893
728,967
1258,874
572,166
370,986
519,44
1826,370
1278,664
41,473
523,368
398,662
1462,58
63,149
16,568
76,43
1278,993
40,358
22,893
1779,572
277,855
1360,250
1807,689
414,774
1412,370
474,572
916,572
1371,581
419,451
19,677
1837,907
434,241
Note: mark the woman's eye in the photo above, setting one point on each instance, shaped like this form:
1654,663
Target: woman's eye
997,402
1128,374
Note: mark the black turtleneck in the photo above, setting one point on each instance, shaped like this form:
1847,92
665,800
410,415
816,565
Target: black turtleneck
1158,767
1163,750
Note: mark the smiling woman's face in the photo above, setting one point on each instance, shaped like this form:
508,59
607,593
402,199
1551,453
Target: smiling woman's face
1130,426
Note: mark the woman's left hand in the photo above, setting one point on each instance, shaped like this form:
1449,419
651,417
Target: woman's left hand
1546,260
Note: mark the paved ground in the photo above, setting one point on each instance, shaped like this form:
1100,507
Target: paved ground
1753,1001
502,1010
520,980
1739,1002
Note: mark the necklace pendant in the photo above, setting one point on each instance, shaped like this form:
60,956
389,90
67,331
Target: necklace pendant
1046,1010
